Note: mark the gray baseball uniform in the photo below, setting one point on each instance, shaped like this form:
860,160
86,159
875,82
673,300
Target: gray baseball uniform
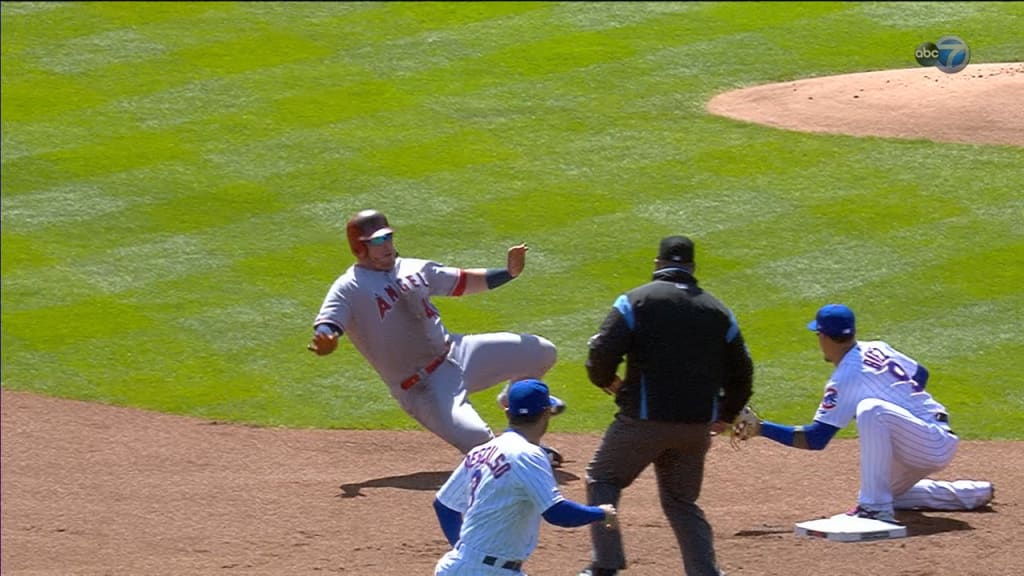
390,319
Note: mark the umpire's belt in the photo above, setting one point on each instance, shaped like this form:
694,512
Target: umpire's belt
515,565
426,370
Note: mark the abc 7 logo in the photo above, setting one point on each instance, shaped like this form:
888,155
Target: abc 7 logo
950,54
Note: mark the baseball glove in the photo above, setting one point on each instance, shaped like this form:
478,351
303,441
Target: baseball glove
746,425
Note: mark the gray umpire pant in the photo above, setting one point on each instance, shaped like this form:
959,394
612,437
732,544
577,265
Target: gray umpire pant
678,451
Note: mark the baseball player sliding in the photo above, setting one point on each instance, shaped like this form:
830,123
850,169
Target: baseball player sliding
490,507
904,432
382,303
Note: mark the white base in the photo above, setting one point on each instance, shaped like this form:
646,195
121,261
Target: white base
844,528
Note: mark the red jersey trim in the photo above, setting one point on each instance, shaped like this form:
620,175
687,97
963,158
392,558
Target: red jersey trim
460,285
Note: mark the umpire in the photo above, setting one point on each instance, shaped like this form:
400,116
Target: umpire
688,373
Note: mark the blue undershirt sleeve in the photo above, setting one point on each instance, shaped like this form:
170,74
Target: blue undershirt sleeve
779,432
569,514
817,434
450,520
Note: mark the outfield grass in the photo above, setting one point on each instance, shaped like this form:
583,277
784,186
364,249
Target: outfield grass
176,178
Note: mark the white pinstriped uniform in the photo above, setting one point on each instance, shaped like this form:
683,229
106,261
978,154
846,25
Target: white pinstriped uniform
901,439
501,488
390,319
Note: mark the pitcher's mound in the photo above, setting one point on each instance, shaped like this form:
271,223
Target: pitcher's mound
980,105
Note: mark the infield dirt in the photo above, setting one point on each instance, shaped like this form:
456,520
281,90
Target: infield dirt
90,489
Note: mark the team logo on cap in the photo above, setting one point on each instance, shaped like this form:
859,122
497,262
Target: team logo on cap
831,398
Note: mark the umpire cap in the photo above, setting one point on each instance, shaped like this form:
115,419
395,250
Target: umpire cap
678,249
366,225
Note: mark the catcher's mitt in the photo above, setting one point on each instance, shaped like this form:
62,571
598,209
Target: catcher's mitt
746,425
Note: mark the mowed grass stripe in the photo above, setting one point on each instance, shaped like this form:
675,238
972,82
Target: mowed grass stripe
526,203
305,104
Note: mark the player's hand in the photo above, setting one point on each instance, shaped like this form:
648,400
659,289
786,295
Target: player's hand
517,259
323,344
613,388
611,517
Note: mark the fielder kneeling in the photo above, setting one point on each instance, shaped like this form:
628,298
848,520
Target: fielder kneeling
904,431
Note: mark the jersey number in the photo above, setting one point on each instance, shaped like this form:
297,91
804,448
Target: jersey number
876,359
474,483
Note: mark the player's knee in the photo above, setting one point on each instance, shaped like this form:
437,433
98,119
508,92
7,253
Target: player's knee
870,409
546,353
549,351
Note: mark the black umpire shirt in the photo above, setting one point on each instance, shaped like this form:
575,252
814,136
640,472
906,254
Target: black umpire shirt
685,357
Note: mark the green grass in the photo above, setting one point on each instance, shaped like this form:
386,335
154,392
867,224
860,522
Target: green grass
176,178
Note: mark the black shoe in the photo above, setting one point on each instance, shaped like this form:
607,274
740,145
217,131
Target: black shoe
554,456
591,571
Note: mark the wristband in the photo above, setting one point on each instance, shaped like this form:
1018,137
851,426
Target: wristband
496,277
327,328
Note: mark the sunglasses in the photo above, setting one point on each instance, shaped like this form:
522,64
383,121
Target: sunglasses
379,240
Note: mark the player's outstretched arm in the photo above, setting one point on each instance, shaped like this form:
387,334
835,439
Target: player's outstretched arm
570,514
814,436
483,279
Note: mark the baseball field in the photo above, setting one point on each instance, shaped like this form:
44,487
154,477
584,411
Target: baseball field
175,181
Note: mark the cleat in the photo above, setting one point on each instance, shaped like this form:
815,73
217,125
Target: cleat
558,407
862,511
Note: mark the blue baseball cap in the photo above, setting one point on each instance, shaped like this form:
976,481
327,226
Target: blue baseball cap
833,320
529,397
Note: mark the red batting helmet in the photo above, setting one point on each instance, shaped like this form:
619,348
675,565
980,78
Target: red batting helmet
364,226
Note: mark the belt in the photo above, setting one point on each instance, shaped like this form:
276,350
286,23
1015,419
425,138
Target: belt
426,370
943,418
516,565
